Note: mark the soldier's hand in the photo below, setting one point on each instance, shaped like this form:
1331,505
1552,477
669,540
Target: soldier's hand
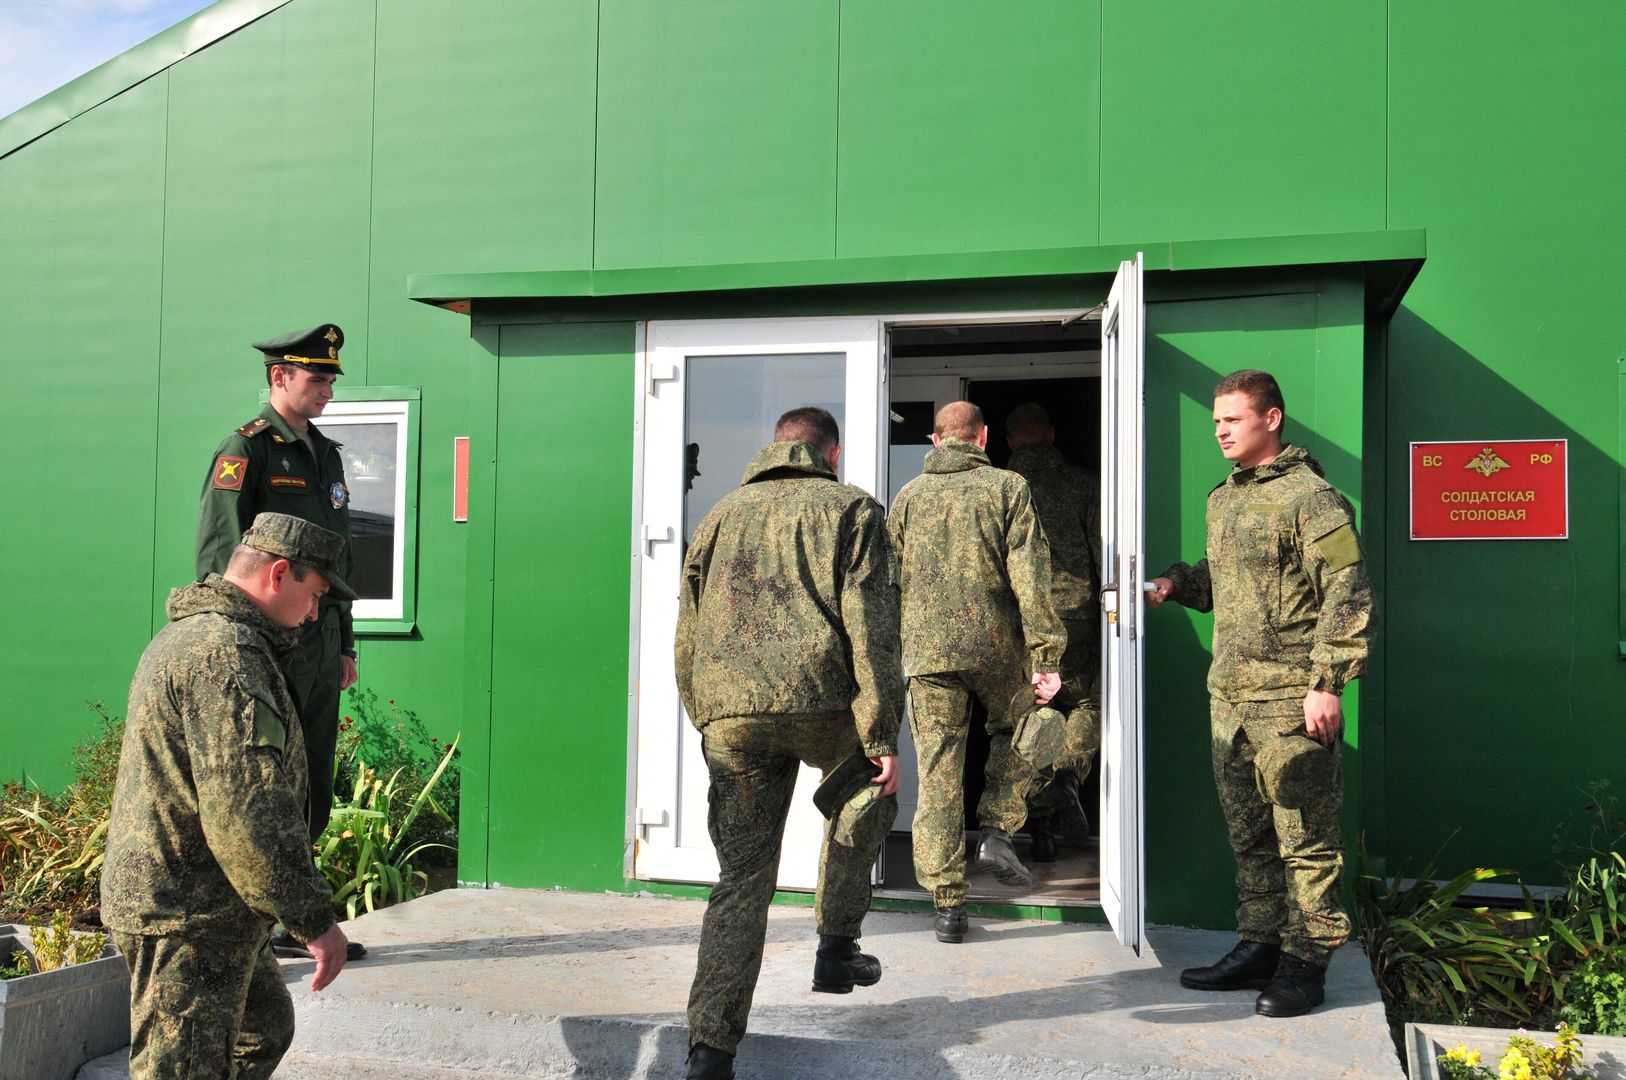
1159,592
1045,686
889,775
347,672
1323,716
329,953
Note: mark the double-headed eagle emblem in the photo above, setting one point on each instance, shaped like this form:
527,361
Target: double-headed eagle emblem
1487,463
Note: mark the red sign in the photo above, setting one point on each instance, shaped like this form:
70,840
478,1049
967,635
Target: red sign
460,478
1490,490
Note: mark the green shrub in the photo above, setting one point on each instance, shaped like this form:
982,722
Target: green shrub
394,741
1595,997
366,853
51,846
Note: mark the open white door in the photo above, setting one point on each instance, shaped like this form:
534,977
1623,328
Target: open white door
1123,605
709,394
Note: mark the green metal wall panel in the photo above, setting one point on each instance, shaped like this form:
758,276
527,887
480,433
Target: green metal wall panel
938,126
463,178
561,570
81,216
265,230
1505,687
1191,345
1260,118
716,132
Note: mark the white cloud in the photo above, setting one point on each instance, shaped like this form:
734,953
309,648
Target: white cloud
46,43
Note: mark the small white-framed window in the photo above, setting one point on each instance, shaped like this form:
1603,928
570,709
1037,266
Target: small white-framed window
378,432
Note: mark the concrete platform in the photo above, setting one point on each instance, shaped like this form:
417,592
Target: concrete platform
553,984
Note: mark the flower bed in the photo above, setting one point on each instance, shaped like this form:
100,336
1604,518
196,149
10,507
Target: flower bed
52,1022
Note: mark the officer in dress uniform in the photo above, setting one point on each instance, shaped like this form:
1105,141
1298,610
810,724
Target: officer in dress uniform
280,462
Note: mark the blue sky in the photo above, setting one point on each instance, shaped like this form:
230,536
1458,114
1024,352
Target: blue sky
45,43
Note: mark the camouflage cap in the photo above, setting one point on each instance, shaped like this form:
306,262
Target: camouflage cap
1041,732
1294,770
300,541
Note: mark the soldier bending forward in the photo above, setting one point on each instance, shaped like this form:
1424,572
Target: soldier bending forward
207,844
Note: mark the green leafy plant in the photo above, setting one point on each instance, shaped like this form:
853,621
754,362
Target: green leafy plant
366,853
1432,955
1595,997
56,945
51,846
17,968
394,739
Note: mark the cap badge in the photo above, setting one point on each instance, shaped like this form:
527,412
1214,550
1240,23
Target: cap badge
331,336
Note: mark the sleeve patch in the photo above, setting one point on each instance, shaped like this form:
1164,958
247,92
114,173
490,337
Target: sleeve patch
1340,548
269,730
230,472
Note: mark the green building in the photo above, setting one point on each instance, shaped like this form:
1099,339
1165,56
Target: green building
584,236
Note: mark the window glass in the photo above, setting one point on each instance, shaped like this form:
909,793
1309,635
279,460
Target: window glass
374,438
732,404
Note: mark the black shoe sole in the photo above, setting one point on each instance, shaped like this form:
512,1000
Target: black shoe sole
1005,874
842,987
950,939
1283,1014
1245,984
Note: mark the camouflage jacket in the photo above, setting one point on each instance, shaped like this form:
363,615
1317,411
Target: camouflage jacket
789,602
1068,502
1286,579
975,569
208,835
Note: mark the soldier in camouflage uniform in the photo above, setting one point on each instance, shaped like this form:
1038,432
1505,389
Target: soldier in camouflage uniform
1293,620
787,652
207,842
977,620
1068,502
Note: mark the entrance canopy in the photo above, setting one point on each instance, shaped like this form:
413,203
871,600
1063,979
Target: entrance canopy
1388,261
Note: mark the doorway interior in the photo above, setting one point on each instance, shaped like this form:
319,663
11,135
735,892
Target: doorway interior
997,366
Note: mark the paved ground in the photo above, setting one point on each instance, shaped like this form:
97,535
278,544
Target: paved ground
553,984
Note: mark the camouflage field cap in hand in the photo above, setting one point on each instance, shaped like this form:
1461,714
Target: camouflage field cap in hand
1041,732
300,541
316,349
1294,770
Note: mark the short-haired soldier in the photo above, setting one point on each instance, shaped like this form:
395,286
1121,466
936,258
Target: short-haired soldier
787,652
1293,618
978,621
207,843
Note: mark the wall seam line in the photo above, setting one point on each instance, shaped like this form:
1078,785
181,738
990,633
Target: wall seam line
158,381
835,197
598,104
372,196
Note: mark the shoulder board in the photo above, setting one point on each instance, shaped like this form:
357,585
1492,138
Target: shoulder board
254,427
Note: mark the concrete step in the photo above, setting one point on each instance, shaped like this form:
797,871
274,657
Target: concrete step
313,1067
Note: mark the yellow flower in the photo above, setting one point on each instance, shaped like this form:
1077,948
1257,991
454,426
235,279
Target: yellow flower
1515,1066
1460,1052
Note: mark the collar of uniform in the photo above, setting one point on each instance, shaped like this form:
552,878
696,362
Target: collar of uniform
1292,457
794,457
215,595
955,455
281,427
1039,457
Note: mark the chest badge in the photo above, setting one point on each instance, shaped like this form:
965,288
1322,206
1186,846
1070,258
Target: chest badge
340,495
285,465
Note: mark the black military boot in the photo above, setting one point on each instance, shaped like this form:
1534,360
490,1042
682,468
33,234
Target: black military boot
1075,823
995,852
1298,987
950,924
839,966
1043,848
1249,966
709,1063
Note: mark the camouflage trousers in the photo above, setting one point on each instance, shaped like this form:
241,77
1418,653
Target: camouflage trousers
315,684
940,720
1289,863
205,1009
753,762
1081,695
